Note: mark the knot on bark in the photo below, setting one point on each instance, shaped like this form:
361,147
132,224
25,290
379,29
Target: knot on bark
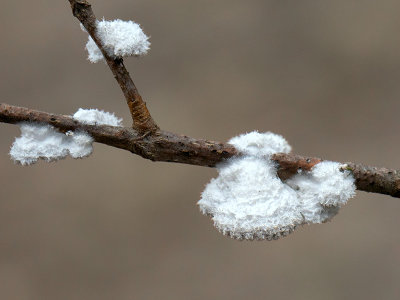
81,9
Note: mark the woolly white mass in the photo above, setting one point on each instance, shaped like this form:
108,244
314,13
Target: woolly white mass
119,39
43,141
258,144
95,116
249,201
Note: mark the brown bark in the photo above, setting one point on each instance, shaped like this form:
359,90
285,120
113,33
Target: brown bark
169,147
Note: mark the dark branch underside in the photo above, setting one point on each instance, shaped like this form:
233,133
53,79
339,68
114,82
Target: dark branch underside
169,147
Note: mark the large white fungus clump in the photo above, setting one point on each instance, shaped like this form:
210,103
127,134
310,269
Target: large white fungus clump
43,141
249,201
119,38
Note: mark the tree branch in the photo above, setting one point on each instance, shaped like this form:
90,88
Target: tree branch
142,120
147,140
169,147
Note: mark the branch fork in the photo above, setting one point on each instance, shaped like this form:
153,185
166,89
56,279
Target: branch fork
146,139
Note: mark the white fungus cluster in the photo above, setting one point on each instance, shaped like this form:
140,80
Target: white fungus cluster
249,201
119,38
43,141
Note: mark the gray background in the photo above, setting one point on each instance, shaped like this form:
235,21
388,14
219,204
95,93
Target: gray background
322,73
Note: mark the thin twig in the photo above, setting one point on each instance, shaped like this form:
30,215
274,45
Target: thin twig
142,120
170,147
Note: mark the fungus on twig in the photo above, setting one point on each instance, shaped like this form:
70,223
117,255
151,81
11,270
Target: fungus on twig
119,39
43,141
249,201
263,191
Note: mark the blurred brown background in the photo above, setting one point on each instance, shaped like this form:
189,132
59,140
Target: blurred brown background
322,73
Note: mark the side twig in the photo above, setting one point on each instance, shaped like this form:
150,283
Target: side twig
169,147
142,120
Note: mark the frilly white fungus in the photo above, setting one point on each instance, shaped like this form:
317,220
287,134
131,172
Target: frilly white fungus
249,201
257,144
119,39
43,141
95,116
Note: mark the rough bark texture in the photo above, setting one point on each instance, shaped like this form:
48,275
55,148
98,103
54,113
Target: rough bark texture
376,180
170,147
142,120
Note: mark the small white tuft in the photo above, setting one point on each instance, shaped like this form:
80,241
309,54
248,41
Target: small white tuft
119,39
259,144
81,145
95,116
249,201
42,141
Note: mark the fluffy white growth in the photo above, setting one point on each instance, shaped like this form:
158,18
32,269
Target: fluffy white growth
119,39
248,200
323,190
42,141
260,144
95,116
